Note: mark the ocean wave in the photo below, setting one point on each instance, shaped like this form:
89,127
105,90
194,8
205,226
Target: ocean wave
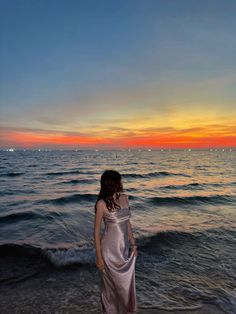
62,173
85,254
60,257
15,217
27,215
167,238
182,186
153,174
191,200
75,181
195,185
17,192
70,199
56,256
4,193
171,238
12,174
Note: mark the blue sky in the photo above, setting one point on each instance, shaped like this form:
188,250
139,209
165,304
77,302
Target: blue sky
78,66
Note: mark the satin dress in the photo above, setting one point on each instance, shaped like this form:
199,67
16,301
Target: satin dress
118,288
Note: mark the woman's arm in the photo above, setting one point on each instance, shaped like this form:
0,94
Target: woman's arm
130,232
131,236
97,227
132,239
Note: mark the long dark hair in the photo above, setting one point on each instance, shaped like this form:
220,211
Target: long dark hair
110,184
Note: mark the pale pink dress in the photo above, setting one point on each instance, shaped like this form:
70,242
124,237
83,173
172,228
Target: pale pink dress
118,288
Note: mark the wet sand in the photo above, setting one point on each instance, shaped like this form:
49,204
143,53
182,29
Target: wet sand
205,309
69,290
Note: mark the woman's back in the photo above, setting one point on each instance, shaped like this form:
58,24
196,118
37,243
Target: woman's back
118,277
113,257
122,201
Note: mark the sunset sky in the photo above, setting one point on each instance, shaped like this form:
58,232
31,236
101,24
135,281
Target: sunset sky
117,74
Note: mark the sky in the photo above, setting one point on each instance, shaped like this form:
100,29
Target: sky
117,74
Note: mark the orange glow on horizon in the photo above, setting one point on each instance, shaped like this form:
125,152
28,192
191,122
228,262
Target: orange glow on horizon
31,139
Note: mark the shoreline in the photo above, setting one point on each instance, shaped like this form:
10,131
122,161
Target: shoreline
68,290
205,309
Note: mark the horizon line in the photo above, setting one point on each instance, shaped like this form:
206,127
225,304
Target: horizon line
120,149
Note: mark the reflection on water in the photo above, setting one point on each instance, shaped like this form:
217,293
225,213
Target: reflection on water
183,215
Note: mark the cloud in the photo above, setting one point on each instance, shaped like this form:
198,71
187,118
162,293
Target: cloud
215,134
162,102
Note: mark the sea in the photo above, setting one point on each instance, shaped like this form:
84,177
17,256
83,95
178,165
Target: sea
183,214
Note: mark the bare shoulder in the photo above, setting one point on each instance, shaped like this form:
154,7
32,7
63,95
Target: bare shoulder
125,195
100,206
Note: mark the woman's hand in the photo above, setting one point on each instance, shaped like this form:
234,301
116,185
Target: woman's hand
134,249
100,263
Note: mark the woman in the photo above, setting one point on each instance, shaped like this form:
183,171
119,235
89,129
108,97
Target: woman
113,258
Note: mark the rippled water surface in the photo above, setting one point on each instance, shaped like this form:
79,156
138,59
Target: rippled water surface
183,215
